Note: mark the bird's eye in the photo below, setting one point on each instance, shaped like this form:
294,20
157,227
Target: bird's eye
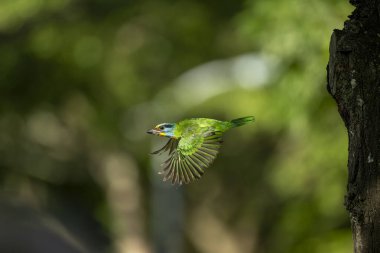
161,128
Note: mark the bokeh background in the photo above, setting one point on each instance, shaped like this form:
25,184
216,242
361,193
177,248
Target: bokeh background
82,80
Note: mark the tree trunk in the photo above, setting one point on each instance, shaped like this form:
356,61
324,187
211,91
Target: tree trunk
353,75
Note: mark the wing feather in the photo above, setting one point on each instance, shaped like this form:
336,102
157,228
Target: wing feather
193,170
196,166
187,173
175,175
168,170
187,165
185,177
201,160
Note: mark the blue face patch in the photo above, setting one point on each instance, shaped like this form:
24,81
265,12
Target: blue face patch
167,129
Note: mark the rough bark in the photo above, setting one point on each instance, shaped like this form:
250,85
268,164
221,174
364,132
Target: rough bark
354,82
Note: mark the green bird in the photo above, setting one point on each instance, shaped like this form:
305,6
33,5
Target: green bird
193,146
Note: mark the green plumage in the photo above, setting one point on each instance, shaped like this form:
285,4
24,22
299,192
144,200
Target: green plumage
193,146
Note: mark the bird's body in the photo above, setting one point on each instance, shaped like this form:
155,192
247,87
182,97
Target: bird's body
193,145
191,132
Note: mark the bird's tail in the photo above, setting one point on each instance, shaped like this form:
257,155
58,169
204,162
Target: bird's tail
242,121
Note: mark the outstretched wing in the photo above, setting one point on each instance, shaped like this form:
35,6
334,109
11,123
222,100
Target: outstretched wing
189,157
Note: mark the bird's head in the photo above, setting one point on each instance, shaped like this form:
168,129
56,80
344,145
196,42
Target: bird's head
164,129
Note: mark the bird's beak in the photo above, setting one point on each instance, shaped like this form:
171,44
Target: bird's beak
156,132
152,131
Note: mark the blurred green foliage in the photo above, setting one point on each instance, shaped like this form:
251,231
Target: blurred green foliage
81,81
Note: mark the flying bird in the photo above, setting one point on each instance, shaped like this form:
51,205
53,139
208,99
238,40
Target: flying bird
193,145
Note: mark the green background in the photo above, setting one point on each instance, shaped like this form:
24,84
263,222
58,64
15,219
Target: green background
82,80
